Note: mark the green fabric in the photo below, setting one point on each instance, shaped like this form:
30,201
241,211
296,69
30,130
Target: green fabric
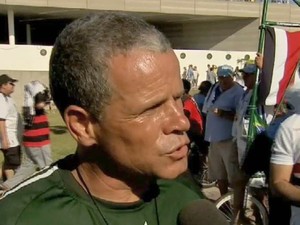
259,123
187,180
297,2
57,199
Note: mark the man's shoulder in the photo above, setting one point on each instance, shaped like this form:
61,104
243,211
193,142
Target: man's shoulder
190,102
41,181
292,122
2,99
177,192
37,188
238,88
235,92
288,128
35,184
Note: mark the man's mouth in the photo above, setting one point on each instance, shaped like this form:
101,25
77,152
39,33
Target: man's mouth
179,153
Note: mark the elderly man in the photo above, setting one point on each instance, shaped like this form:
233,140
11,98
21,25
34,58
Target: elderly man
116,81
9,127
220,106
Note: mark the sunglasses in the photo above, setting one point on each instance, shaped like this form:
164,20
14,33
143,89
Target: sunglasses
12,84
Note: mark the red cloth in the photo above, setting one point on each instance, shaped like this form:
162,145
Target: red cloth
194,115
38,134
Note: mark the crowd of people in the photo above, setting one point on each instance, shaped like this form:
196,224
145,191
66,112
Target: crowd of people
226,110
116,82
191,74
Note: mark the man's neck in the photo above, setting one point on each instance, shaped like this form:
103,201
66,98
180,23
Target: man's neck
229,87
108,188
4,93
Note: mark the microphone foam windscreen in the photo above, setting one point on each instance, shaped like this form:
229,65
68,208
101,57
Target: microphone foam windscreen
201,212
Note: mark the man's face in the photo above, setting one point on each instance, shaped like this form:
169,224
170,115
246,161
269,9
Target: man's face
249,80
226,82
8,88
144,125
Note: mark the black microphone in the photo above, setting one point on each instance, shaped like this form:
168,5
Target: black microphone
201,212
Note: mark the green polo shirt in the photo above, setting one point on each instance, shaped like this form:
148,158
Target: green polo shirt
53,197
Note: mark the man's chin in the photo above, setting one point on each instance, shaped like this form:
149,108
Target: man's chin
174,171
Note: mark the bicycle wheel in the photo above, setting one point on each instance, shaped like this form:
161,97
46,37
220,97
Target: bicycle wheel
255,211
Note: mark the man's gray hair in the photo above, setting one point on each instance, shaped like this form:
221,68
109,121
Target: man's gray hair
79,64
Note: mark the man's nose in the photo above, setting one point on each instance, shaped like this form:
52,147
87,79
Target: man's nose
176,121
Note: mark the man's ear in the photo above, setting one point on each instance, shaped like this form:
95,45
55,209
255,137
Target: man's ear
80,125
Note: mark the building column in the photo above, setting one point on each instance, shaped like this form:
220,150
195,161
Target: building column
28,34
11,27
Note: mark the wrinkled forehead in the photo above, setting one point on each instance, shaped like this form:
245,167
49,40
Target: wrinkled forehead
140,68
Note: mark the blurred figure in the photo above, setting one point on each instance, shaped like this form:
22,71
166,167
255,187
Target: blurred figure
195,132
200,96
36,136
240,133
195,77
193,113
184,73
210,74
190,74
220,106
242,117
9,128
238,76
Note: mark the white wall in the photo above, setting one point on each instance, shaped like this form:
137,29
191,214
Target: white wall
24,57
29,58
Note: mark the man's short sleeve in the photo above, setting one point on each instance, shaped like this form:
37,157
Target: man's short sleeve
3,107
283,148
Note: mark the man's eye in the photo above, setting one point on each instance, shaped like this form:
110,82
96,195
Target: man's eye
154,106
178,97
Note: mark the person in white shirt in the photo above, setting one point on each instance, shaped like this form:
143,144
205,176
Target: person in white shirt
285,159
9,127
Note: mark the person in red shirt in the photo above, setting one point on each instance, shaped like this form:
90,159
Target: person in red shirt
196,131
191,111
